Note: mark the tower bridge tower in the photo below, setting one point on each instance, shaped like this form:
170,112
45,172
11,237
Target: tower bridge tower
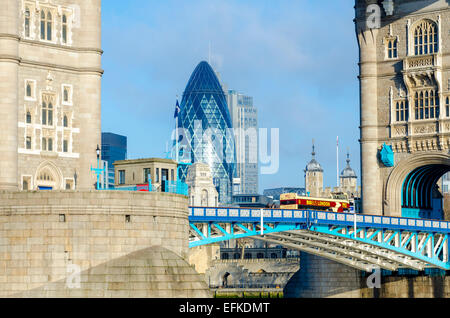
404,104
50,75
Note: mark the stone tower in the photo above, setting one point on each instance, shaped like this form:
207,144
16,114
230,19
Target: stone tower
202,191
314,176
50,70
348,179
404,103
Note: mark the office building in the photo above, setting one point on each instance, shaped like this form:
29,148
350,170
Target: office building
244,118
114,148
204,124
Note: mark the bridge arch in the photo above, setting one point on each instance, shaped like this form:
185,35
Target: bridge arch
411,183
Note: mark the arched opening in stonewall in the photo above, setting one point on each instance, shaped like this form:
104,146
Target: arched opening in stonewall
422,193
225,279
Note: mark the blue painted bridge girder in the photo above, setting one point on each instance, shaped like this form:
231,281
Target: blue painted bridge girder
376,241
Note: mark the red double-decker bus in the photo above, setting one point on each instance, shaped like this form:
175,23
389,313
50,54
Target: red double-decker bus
293,201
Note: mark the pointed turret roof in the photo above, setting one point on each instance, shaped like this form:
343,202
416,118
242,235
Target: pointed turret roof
348,172
313,165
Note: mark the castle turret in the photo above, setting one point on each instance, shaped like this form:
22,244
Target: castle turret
313,176
348,178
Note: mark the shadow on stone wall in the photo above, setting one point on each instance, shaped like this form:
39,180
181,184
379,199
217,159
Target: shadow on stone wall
155,272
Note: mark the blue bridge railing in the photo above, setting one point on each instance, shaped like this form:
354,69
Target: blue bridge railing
176,187
358,240
228,215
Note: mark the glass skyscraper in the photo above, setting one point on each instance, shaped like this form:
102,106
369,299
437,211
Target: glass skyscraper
244,117
114,148
205,129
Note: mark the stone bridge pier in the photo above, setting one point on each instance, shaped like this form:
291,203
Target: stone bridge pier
319,277
96,244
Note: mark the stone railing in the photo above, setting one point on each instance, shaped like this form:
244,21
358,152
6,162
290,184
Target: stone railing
257,260
419,62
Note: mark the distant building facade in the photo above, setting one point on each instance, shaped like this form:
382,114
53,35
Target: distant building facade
252,201
114,148
153,171
50,75
202,191
244,118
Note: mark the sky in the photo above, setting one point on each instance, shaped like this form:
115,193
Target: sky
298,59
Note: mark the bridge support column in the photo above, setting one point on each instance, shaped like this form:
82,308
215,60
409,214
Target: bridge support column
319,277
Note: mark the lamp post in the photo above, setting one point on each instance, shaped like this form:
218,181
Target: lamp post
98,171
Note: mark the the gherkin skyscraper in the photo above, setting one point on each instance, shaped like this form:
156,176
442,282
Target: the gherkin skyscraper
205,126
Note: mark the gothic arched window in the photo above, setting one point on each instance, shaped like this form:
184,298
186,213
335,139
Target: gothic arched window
46,25
44,144
44,113
447,107
50,114
28,119
426,105
66,94
47,114
64,29
29,92
65,121
392,49
42,25
425,38
27,22
401,111
49,26
50,144
204,197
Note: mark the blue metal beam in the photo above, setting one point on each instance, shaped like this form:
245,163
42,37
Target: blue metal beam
246,223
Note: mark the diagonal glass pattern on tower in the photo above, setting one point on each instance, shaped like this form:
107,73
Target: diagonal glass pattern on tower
207,129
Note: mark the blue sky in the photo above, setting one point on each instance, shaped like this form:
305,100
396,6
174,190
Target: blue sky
297,58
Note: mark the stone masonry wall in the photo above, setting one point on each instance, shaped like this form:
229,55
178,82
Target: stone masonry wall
43,233
319,277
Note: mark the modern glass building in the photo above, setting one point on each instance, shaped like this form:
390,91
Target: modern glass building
114,148
204,125
244,117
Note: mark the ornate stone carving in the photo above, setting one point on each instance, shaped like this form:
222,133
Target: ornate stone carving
425,129
400,131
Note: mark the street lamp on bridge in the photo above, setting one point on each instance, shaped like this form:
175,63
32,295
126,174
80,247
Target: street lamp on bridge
98,171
